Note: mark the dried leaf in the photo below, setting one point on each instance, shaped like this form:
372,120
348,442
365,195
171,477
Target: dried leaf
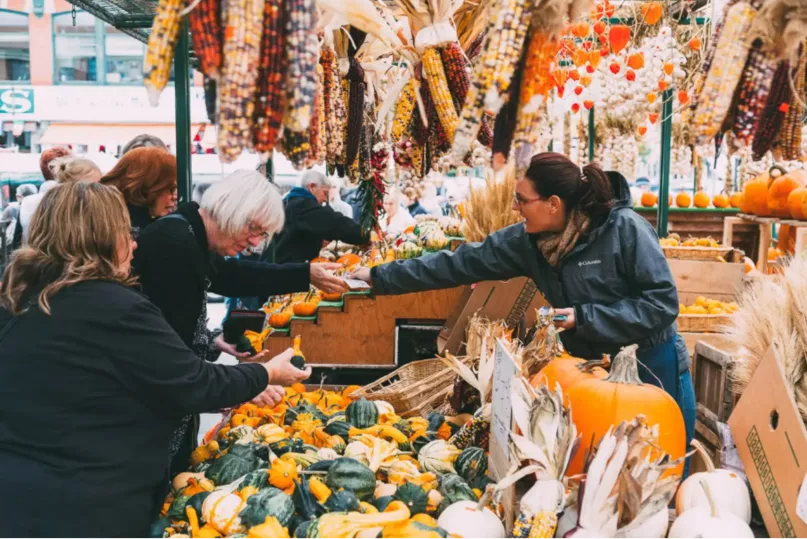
629,499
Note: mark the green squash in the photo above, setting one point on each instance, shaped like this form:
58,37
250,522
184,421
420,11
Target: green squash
305,503
258,479
177,508
404,427
320,466
454,489
304,408
415,498
243,345
350,474
382,502
471,463
339,428
336,416
436,421
196,502
481,482
421,441
281,447
158,527
362,414
270,502
342,501
238,462
301,530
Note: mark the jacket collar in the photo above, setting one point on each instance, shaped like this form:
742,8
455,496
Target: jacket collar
140,216
300,192
190,211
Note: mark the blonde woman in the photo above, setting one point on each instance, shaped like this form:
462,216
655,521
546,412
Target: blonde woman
74,169
96,379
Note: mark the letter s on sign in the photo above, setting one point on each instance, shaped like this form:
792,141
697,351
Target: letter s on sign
14,101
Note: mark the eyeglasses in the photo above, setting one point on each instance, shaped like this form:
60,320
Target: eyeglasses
255,231
520,201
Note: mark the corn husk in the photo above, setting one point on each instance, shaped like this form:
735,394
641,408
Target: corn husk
490,209
782,23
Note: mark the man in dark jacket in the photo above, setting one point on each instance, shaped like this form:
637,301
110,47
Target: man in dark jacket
309,223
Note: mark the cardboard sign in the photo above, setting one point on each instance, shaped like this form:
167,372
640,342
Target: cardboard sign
772,443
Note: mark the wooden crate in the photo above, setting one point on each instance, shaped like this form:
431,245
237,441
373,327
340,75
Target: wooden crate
765,236
711,364
715,280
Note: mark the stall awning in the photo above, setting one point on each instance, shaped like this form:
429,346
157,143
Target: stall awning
109,134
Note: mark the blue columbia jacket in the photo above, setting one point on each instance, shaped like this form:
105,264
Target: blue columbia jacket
616,279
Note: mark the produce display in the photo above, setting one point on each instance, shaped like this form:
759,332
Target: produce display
674,240
704,305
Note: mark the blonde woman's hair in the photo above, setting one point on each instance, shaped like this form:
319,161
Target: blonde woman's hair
74,237
73,169
244,197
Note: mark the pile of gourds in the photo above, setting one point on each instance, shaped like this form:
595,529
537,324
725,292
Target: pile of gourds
322,464
776,193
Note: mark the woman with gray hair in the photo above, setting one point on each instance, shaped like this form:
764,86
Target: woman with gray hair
181,256
143,141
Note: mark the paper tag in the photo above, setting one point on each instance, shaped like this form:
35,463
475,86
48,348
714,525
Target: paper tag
505,369
356,284
801,501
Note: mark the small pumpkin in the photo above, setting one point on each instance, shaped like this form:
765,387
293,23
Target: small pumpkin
221,510
279,319
350,474
683,200
282,475
756,192
736,200
349,259
415,498
306,307
438,456
362,414
649,199
721,201
269,502
467,519
204,532
797,203
701,200
779,190
709,521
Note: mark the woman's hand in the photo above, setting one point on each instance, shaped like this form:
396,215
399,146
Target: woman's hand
228,348
282,372
323,278
362,274
271,396
569,323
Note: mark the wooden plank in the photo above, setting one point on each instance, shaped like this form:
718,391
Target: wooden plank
707,278
692,339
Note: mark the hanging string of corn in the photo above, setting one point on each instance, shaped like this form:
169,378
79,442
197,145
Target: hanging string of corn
335,112
319,144
773,116
302,57
709,57
455,65
355,108
243,27
404,110
790,135
753,91
205,25
271,96
160,50
438,88
296,147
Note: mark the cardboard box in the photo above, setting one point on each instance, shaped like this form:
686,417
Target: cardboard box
495,300
772,443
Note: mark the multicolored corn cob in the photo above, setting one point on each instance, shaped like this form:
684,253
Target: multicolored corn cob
790,135
709,57
205,25
752,92
271,95
544,525
319,150
773,116
438,88
302,57
243,27
355,109
404,110
732,51
469,432
522,526
296,147
456,68
160,50
333,100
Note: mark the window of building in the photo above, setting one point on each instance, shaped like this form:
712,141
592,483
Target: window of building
15,64
124,57
75,48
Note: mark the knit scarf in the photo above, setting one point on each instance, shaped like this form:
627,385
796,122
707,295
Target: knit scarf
555,245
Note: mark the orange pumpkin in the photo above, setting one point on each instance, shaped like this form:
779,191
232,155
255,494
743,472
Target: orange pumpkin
567,370
331,296
701,200
649,199
282,475
774,253
669,200
796,203
780,189
319,260
756,192
652,12
350,259
720,201
599,404
683,200
736,200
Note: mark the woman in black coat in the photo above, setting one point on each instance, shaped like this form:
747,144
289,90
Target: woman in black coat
93,381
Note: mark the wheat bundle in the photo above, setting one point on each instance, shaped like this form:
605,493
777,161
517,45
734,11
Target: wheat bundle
490,208
772,312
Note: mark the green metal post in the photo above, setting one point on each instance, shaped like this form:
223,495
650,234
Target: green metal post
182,100
666,144
270,168
591,134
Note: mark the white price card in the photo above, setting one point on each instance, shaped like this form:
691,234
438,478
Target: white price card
356,284
505,370
801,501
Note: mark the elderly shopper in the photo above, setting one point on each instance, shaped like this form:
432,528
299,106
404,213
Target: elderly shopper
182,256
96,378
310,223
147,177
396,218
11,214
143,141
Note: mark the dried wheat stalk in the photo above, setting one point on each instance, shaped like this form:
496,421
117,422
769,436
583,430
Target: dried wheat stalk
490,208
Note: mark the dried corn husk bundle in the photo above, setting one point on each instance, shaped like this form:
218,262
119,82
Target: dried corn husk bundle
784,24
772,312
482,333
490,208
545,346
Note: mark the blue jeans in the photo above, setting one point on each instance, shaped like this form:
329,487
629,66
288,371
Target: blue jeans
659,367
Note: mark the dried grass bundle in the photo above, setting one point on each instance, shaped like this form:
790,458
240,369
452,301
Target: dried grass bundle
490,208
782,23
772,311
471,20
482,333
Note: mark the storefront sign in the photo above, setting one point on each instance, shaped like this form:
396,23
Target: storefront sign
16,101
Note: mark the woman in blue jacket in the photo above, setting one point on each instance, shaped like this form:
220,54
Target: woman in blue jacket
593,258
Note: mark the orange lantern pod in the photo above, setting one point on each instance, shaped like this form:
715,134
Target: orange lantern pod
561,91
668,68
574,74
605,51
560,76
585,80
614,67
695,44
580,57
642,130
653,117
599,28
575,107
567,46
630,75
586,45
578,90
618,36
683,97
636,60
590,69
580,29
652,12
603,39
594,58
588,104
602,10
651,97
662,85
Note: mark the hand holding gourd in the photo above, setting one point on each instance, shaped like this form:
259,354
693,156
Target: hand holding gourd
322,277
283,372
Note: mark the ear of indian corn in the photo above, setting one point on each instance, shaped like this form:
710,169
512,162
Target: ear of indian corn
333,101
455,65
469,432
205,24
296,147
270,97
544,525
709,56
355,108
774,112
317,130
752,92
160,49
302,56
404,109
438,88
243,26
724,75
522,526
790,134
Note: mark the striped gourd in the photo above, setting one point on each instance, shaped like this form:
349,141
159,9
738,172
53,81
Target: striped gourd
334,103
302,57
752,92
773,115
205,25
435,74
492,73
404,109
721,81
243,24
790,134
160,50
270,97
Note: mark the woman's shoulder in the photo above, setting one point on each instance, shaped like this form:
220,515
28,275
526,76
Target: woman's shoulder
108,297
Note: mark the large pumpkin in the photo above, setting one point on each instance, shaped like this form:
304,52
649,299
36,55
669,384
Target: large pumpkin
567,370
780,189
597,405
756,192
797,202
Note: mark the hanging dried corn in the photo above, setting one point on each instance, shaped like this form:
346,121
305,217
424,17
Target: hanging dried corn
435,74
243,26
455,65
270,97
317,130
205,24
302,57
160,50
296,147
752,92
790,135
333,101
709,57
718,89
355,109
492,73
404,110
211,98
774,113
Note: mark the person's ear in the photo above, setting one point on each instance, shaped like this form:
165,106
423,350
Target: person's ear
555,204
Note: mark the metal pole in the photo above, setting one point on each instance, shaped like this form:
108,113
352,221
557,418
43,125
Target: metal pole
591,134
666,144
182,99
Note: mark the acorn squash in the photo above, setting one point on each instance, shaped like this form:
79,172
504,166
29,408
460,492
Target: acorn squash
471,463
415,498
382,502
258,479
301,530
270,502
342,501
361,414
158,527
338,428
350,474
238,462
305,502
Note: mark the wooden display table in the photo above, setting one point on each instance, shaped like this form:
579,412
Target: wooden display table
764,226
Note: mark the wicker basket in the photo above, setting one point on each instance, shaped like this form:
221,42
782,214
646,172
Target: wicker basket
702,323
411,387
709,254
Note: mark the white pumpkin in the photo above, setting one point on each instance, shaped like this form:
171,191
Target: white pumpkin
655,526
729,490
709,521
384,489
466,520
221,510
384,407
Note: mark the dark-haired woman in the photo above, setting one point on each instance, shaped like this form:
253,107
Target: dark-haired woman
594,259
